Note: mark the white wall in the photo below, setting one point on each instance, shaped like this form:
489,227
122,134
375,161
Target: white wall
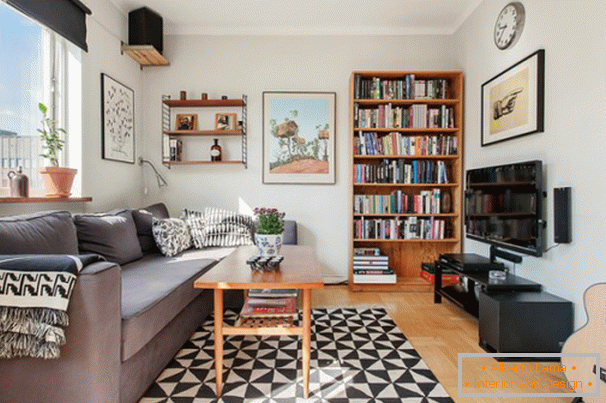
572,145
234,65
111,184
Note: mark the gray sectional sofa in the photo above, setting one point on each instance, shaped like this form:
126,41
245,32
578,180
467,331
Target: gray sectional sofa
127,320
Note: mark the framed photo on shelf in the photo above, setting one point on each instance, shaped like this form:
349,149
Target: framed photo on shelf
299,137
513,102
118,121
186,122
226,121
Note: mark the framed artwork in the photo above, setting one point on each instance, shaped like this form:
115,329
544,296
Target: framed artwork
299,137
118,121
186,122
513,102
226,121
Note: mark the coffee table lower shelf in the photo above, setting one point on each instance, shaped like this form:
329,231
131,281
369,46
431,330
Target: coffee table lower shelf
265,326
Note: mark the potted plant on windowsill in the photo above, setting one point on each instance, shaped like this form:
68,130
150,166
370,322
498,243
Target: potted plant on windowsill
270,230
57,180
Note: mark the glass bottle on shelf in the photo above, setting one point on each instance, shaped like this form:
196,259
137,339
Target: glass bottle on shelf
215,151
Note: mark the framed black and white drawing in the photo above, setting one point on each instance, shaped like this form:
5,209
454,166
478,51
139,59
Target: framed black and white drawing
299,137
117,121
513,101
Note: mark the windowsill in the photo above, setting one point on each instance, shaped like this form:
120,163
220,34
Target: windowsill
44,199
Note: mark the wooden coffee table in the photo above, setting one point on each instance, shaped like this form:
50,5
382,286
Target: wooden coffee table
299,270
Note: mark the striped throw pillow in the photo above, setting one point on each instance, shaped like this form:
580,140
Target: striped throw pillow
226,228
195,223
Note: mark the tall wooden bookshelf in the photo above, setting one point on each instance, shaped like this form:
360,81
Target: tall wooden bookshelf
405,255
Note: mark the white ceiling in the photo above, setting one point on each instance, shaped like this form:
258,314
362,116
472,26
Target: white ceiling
307,17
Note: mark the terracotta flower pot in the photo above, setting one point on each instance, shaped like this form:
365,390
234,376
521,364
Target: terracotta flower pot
58,181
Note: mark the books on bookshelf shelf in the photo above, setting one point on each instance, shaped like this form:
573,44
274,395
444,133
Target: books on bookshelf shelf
372,268
417,116
406,87
398,202
175,149
394,143
400,171
269,307
400,228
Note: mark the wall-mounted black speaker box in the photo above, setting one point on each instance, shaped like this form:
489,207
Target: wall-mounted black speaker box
562,228
145,28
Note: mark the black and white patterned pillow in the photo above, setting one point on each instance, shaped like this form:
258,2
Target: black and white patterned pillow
171,235
226,228
195,222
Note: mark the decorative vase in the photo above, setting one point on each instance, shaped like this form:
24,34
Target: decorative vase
58,181
268,244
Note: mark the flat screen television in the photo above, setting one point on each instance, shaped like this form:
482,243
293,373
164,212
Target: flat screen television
504,206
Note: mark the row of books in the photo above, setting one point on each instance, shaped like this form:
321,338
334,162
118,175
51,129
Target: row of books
400,171
270,303
398,202
406,87
175,147
371,268
415,117
394,143
398,228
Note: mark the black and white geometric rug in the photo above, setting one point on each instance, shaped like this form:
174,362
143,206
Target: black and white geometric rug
357,355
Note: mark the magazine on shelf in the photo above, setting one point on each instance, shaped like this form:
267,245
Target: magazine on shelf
272,293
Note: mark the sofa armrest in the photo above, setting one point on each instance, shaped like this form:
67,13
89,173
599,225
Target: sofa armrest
89,367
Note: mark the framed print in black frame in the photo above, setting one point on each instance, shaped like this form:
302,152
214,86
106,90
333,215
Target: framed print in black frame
299,137
117,121
513,102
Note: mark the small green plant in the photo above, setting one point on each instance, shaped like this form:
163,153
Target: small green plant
271,221
50,135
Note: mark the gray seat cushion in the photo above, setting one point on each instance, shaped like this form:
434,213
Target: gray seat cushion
49,232
156,288
144,220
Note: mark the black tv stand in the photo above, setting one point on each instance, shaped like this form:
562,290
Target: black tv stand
515,316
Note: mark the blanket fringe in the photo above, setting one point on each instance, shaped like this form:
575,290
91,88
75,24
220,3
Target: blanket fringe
49,316
13,345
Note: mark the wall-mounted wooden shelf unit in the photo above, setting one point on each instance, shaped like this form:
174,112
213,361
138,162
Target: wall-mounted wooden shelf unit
145,55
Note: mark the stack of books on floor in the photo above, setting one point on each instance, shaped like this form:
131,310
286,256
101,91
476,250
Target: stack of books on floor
370,267
263,303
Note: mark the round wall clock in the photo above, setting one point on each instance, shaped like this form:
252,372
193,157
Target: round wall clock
509,25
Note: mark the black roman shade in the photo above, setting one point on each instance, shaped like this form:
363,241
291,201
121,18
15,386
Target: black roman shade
66,17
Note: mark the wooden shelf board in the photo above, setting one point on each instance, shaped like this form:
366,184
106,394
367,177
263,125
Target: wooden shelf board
407,129
203,132
145,55
410,284
448,240
200,162
371,102
45,199
407,184
411,157
201,103
406,215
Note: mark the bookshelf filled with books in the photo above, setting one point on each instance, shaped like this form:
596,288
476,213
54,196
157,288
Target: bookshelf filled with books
180,127
406,175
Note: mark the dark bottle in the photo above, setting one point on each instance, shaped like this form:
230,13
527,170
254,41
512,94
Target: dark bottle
215,151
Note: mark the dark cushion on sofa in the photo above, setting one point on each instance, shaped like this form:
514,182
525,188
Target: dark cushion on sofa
49,232
112,235
143,220
156,288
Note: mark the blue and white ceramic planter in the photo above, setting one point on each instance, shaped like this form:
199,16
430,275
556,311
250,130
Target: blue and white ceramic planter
269,245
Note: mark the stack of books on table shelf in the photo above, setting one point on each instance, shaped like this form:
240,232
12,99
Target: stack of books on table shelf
370,267
270,303
428,273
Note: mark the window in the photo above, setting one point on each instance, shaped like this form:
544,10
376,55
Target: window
36,65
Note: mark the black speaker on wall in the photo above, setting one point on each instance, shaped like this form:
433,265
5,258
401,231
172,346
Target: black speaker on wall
145,28
562,228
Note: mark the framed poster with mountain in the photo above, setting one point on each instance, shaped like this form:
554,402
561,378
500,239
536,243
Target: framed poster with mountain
299,137
513,101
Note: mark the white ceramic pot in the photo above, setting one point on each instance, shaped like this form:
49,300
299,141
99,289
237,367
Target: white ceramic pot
269,245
